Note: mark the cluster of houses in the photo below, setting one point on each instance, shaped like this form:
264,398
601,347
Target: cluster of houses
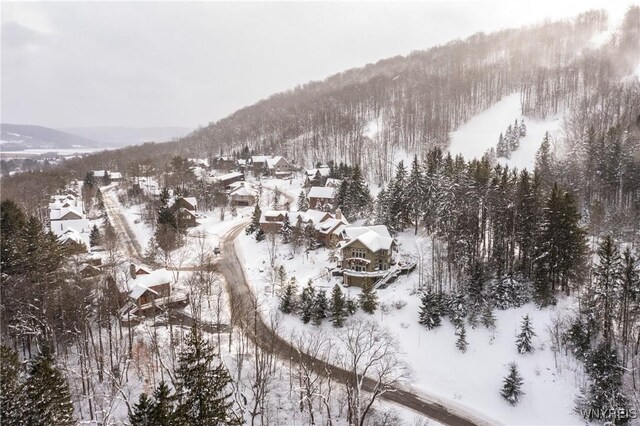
68,222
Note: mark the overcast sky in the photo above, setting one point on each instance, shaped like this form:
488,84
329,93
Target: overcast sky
144,64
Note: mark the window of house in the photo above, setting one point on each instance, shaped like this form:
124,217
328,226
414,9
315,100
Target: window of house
358,268
358,253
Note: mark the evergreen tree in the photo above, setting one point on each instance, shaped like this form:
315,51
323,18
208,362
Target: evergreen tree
303,203
94,236
501,148
352,306
288,299
286,231
338,307
106,179
605,388
163,407
488,318
561,248
398,215
202,387
341,197
368,298
457,309
254,225
47,392
414,195
430,310
260,235
12,402
141,415
578,339
523,129
608,281
461,343
358,199
544,163
512,387
12,224
523,340
321,308
382,208
307,299
89,180
475,288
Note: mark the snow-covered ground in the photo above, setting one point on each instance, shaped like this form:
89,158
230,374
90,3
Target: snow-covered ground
481,133
472,379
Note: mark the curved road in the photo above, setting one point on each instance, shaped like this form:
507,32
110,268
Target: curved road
242,310
242,301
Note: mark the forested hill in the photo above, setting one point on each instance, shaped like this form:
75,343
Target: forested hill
417,100
413,102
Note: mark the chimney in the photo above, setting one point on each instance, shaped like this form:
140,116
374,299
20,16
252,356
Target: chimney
132,271
338,213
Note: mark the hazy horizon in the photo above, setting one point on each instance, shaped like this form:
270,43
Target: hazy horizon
140,64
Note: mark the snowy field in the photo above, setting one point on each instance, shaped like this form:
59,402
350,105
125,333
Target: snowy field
472,379
481,133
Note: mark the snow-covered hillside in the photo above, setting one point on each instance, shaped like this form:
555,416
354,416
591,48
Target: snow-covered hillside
481,133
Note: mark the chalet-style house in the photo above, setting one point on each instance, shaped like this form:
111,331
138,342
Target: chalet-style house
316,177
186,209
71,232
224,164
328,227
276,166
242,194
321,198
150,289
366,254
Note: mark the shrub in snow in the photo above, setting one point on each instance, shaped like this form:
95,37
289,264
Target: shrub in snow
399,304
512,386
523,341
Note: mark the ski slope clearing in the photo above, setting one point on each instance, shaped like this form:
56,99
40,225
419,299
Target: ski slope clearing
481,133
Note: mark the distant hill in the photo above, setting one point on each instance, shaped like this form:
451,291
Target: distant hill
122,136
18,137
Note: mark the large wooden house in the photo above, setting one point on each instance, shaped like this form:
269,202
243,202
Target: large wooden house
366,254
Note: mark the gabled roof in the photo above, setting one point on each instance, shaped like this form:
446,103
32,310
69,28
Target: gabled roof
59,227
271,162
191,200
228,176
323,170
321,192
243,191
57,214
143,282
373,237
259,158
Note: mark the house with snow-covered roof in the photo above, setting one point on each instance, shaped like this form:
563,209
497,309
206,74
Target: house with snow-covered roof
242,194
271,165
366,254
321,198
185,209
316,177
327,226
